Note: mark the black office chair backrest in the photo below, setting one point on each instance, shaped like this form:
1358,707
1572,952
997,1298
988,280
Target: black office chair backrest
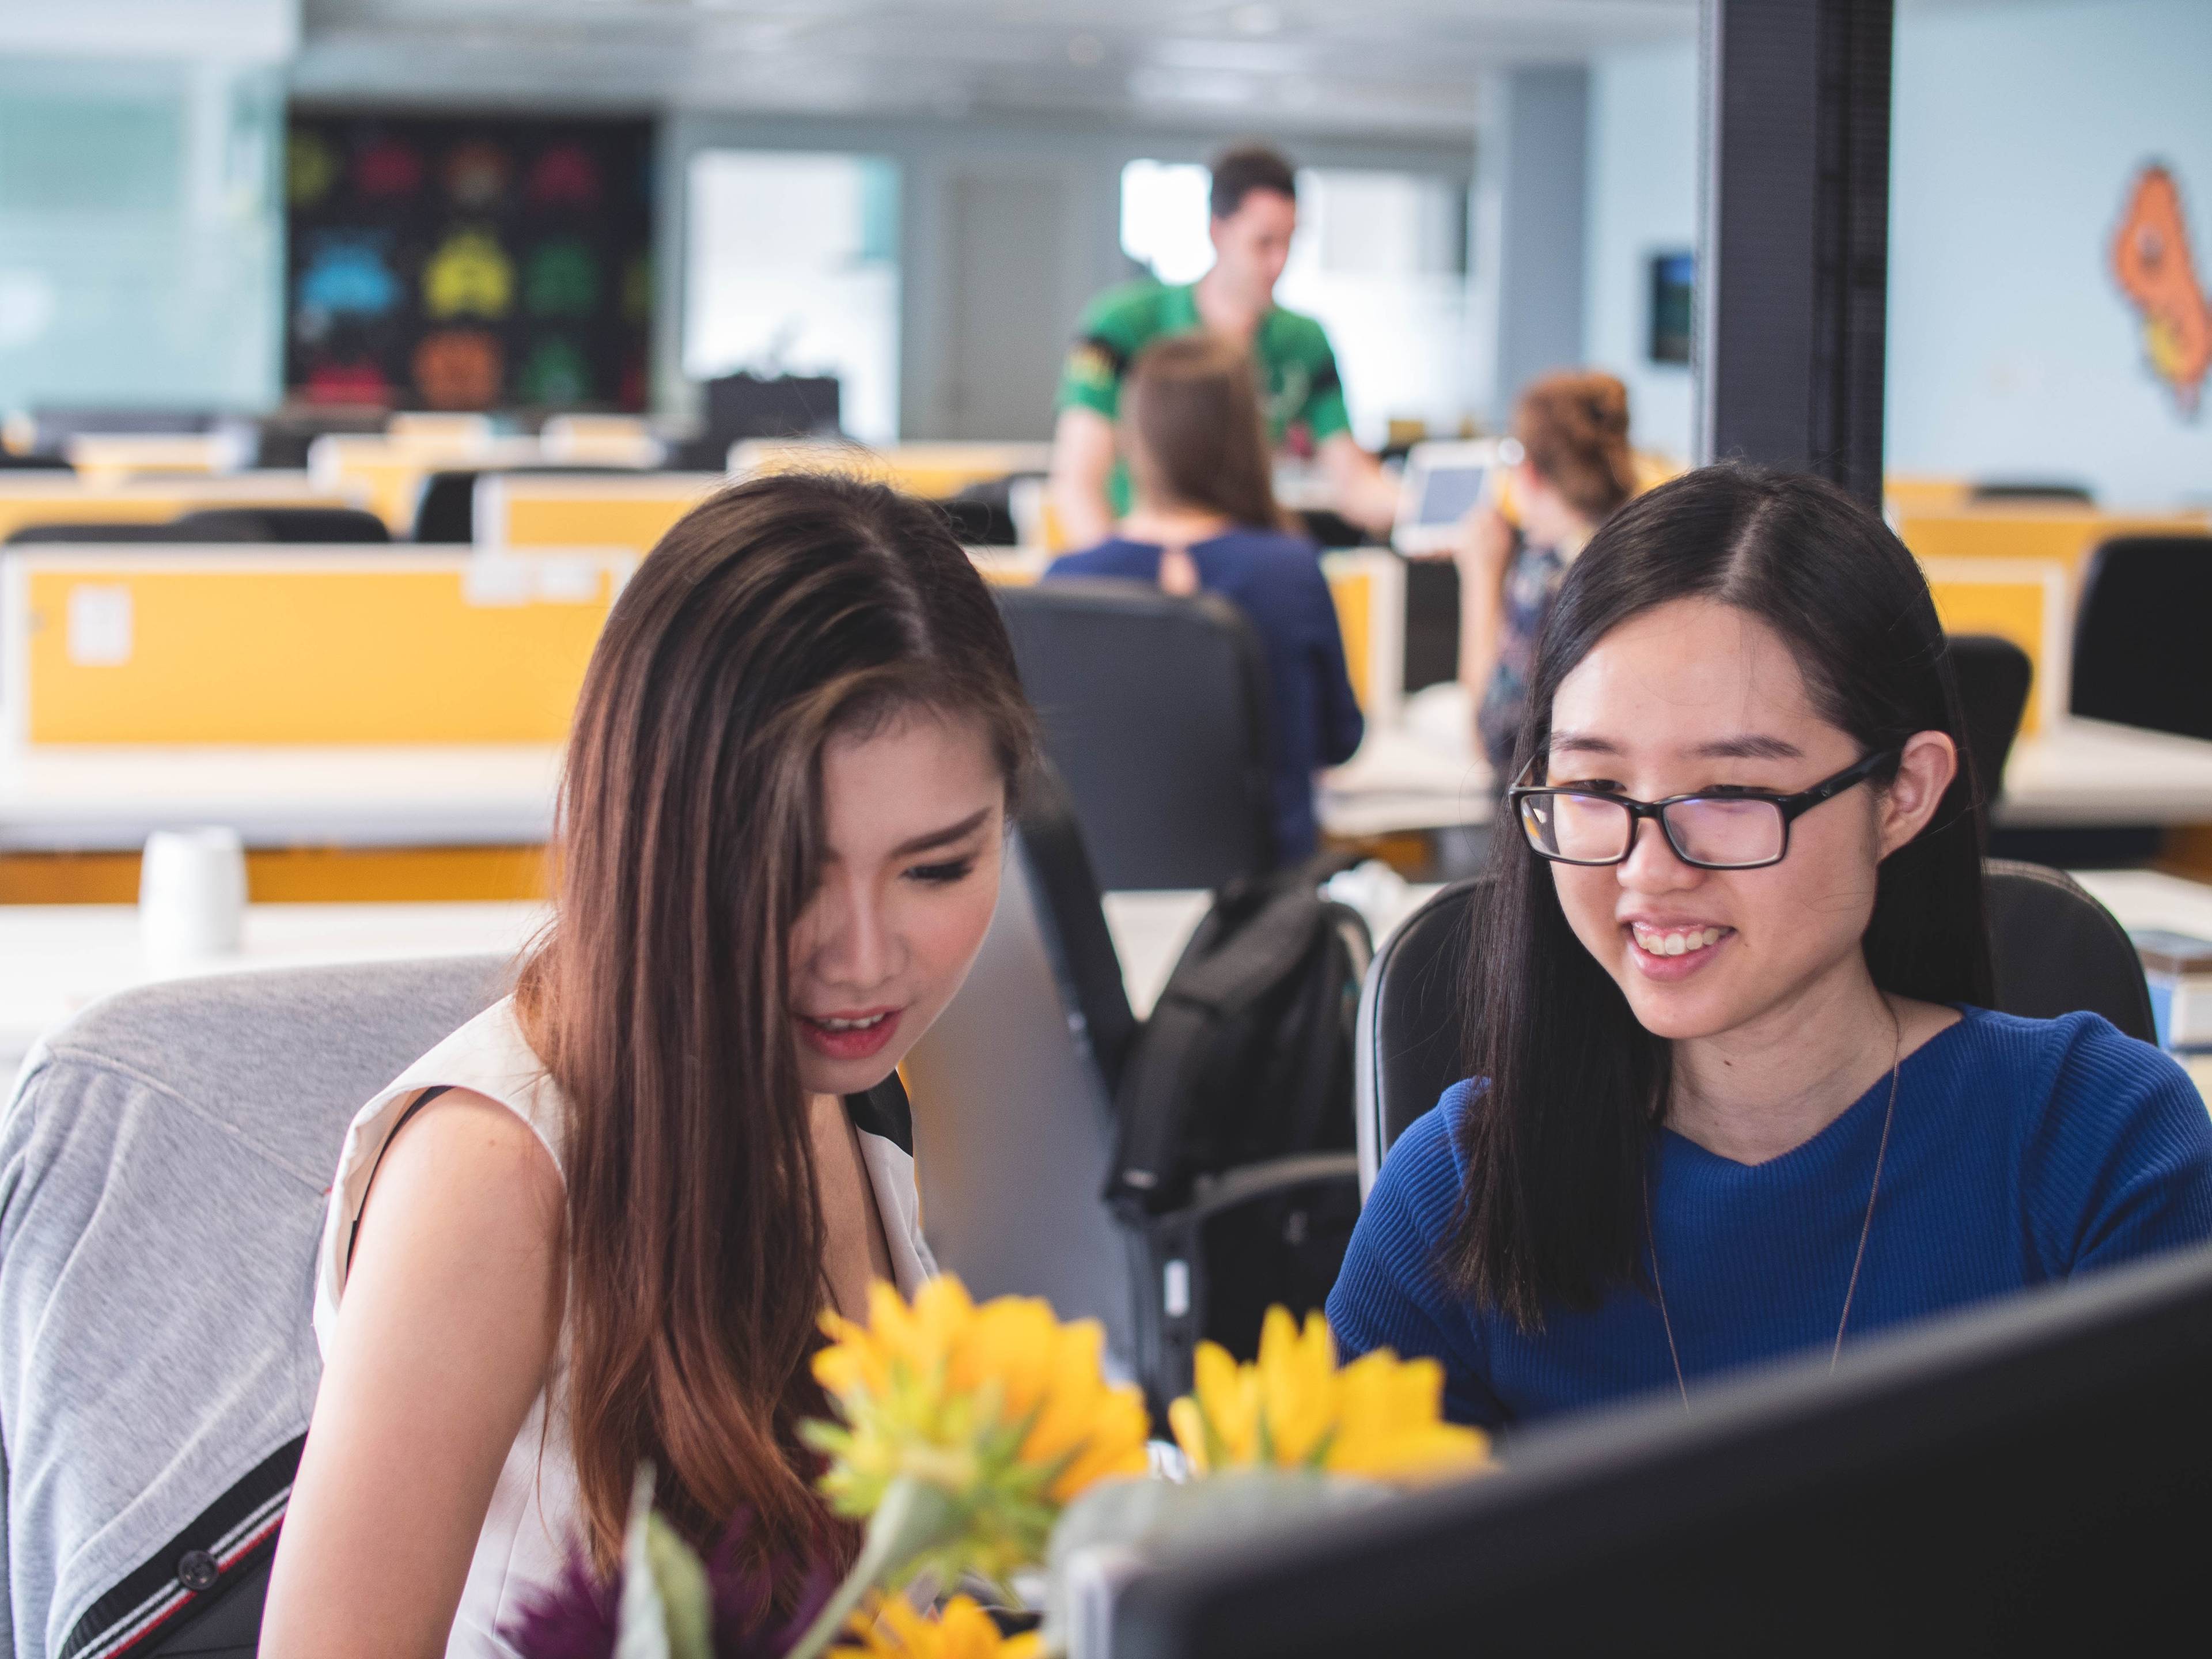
1993,675
11,462
97,533
445,511
1156,712
2139,655
2057,950
336,524
2033,489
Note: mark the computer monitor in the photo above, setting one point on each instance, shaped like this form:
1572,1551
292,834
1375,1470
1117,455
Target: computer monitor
2032,1476
1442,482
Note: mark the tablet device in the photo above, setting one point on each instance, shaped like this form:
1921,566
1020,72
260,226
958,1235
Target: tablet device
1443,481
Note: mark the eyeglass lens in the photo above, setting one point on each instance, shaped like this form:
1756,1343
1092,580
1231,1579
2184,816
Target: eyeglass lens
1715,829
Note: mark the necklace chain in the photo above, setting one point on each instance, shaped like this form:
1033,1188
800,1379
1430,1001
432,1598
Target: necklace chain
1858,1258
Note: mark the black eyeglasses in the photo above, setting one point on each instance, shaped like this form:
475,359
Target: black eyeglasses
1739,829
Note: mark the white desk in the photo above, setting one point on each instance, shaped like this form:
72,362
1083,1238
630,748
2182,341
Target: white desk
103,799
1421,776
57,958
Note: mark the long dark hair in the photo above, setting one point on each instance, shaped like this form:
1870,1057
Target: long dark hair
1198,437
1555,1144
771,617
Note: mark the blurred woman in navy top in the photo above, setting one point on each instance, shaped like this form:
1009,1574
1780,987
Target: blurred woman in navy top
1737,1092
1205,517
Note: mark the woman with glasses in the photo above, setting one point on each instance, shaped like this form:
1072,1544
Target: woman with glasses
1735,1091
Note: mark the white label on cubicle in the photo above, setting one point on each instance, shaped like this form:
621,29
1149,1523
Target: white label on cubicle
98,625
493,578
563,580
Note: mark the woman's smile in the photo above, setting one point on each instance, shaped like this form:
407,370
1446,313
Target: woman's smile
851,1035
1671,951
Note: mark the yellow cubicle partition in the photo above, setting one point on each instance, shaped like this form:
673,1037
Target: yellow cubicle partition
2065,531
931,469
1368,586
521,512
291,646
29,498
2028,601
386,471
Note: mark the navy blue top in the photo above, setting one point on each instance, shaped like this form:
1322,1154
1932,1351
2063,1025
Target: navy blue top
1276,581
2023,1151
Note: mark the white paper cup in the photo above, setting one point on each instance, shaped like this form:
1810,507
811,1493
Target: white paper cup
192,895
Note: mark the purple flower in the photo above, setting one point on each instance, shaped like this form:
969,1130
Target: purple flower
574,1618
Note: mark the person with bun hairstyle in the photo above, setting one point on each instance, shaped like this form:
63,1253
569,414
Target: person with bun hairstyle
1735,1089
1574,470
595,1229
1205,517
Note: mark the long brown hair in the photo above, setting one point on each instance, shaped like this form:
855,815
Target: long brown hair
772,616
1197,438
1574,427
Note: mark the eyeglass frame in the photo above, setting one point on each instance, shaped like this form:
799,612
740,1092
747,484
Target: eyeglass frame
1791,807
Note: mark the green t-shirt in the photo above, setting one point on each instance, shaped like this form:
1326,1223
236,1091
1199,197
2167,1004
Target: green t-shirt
1296,371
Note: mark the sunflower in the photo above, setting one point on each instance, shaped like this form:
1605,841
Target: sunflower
962,1631
1380,1416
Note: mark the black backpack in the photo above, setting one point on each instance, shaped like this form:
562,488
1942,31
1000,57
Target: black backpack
1234,1172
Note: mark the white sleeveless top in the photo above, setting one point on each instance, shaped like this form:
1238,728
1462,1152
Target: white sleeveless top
532,1525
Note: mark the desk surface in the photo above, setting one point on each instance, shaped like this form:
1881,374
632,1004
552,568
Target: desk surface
55,959
2083,772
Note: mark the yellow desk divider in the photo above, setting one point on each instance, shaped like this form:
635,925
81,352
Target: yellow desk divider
110,457
2016,530
1368,586
297,646
1903,493
28,498
2028,601
386,473
935,470
518,512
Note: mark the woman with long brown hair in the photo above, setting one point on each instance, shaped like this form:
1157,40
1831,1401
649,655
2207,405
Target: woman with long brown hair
1205,518
607,1214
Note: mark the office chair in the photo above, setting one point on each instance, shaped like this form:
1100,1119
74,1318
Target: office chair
2139,655
1993,675
2056,950
2033,489
1157,713
11,462
163,1169
336,524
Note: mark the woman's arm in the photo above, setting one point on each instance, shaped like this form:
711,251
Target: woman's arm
1082,463
451,1310
1484,552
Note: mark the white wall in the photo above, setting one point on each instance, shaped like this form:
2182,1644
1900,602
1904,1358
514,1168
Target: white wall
2019,129
1643,200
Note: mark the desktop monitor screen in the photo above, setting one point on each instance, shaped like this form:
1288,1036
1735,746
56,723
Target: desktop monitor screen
2033,1476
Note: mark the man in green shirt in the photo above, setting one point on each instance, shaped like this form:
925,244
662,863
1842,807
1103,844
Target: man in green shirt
1255,212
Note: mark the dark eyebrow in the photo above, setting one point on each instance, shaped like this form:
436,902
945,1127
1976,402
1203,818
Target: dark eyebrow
1749,745
1583,743
935,838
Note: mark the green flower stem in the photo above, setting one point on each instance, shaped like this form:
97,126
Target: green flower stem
916,1516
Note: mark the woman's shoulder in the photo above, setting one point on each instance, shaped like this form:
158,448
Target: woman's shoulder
1118,556
1264,546
1423,1170
2076,1080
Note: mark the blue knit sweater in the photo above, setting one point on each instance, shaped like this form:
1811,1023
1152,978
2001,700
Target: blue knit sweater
2023,1151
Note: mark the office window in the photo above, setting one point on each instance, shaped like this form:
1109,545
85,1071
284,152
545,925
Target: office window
1380,259
792,267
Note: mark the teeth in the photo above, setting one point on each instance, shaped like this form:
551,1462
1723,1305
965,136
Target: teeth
829,1025
1676,945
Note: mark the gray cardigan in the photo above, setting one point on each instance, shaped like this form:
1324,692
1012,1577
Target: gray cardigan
164,1163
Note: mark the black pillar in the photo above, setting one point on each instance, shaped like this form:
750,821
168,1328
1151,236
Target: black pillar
1793,239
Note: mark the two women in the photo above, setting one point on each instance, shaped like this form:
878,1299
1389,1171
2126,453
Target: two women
1735,1089
1736,1092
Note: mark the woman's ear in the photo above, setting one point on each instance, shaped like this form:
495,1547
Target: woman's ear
1924,771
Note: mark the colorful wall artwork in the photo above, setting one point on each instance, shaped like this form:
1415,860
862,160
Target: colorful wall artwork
469,263
2152,263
